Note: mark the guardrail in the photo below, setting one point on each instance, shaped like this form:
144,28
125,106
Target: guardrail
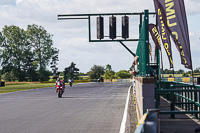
183,95
182,79
149,122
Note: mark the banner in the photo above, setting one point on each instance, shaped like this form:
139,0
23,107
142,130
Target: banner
155,35
176,22
156,38
164,32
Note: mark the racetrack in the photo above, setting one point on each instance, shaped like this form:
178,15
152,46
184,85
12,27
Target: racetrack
84,108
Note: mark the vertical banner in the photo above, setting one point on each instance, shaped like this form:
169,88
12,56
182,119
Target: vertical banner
164,32
155,35
156,38
176,20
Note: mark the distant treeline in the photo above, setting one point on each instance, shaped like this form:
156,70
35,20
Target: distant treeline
180,71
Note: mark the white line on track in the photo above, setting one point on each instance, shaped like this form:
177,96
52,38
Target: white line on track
123,124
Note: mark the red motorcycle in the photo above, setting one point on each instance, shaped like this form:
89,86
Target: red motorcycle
60,86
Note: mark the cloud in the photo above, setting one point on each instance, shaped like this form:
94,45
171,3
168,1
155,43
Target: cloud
7,2
192,7
18,1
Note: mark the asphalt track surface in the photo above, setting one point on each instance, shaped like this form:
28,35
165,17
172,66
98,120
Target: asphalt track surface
84,108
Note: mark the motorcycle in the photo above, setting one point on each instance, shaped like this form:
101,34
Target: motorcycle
60,89
70,83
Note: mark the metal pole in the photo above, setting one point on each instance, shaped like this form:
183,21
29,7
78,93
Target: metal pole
140,26
192,76
89,30
146,20
127,48
103,14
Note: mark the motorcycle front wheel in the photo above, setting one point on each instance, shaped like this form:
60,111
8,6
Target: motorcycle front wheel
59,93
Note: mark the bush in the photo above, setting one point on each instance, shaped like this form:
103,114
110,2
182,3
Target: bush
9,76
185,75
123,74
54,80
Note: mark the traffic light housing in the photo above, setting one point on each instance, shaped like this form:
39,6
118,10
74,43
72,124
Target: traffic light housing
125,27
112,27
100,28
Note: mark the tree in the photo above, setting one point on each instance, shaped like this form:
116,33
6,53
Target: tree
26,53
71,71
123,74
42,43
96,72
166,71
180,71
189,72
82,74
31,69
15,51
44,75
109,73
53,65
9,76
108,67
197,70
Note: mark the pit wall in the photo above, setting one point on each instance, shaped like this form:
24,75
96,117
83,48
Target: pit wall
144,95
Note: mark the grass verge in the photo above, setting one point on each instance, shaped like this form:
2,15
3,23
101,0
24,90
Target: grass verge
21,87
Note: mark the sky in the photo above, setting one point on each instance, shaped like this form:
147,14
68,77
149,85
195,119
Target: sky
71,36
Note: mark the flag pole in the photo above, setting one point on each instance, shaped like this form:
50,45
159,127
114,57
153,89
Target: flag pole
192,75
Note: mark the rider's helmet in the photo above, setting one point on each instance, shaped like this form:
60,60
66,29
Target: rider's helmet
58,79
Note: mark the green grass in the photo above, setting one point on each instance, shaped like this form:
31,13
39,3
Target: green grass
21,87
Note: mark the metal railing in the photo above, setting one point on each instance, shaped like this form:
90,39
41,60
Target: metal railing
183,95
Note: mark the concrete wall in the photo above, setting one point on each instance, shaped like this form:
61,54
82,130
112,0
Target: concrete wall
145,94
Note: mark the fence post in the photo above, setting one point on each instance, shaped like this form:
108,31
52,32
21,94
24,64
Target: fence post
195,106
172,106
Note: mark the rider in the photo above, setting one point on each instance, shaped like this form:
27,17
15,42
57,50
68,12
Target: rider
61,82
70,80
58,79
